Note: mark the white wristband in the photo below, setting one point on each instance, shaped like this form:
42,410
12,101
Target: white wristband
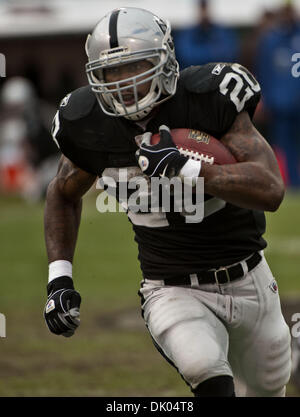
190,171
58,269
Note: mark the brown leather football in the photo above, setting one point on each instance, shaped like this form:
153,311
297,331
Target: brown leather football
199,146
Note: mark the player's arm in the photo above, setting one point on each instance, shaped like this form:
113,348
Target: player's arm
255,181
62,219
63,209
232,93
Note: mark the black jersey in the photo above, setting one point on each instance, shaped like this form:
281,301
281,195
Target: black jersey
208,98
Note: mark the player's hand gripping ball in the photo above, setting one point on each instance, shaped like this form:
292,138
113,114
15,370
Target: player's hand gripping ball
161,159
165,153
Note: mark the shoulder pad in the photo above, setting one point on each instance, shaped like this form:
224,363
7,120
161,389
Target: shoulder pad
206,78
77,104
200,79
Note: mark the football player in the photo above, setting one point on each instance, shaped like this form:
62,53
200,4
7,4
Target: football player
209,299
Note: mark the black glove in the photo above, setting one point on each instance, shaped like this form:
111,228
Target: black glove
62,308
162,159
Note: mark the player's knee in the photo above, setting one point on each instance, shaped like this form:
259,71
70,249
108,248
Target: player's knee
192,373
196,370
218,386
272,380
271,385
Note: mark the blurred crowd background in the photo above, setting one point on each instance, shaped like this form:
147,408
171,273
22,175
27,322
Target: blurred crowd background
42,67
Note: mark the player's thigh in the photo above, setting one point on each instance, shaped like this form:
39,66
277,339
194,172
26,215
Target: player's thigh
262,356
188,333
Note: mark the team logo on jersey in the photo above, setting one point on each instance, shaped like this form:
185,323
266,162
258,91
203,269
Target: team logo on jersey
65,100
273,286
199,136
143,163
50,306
218,69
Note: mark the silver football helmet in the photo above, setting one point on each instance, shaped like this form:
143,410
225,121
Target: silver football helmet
124,36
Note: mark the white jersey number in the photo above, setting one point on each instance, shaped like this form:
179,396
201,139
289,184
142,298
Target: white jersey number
242,81
55,127
159,219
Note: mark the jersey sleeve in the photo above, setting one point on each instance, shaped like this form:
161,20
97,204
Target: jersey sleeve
228,89
62,134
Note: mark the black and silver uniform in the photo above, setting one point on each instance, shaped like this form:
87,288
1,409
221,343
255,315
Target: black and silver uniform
208,98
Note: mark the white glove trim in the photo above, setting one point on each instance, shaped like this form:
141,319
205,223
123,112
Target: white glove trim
190,171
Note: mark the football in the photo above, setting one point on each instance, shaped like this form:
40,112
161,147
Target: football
199,146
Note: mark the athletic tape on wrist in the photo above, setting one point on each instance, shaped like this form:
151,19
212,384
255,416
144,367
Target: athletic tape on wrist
190,171
59,268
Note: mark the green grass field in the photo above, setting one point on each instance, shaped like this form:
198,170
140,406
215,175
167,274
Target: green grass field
111,354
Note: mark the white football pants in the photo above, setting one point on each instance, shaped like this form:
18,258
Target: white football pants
232,329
